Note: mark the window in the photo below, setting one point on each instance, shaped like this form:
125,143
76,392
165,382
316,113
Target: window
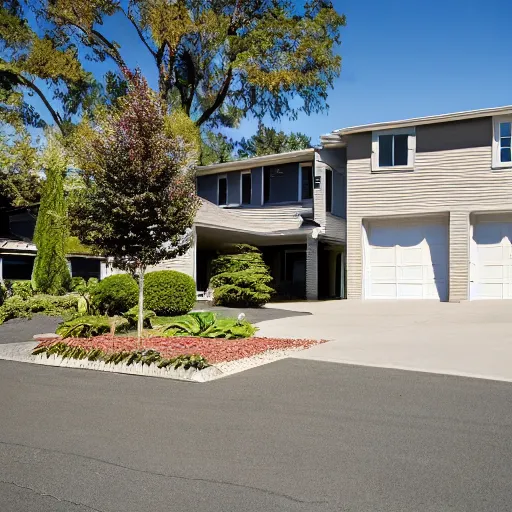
502,147
328,190
222,191
306,182
393,149
246,187
17,267
281,183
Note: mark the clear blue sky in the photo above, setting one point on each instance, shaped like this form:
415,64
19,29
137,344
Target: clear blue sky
401,59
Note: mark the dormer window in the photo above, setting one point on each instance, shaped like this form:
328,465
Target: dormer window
502,147
393,149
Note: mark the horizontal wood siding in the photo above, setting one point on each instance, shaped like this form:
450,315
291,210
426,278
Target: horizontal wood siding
184,263
458,181
335,228
273,218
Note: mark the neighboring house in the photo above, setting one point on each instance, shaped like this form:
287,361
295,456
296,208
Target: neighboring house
17,252
429,212
278,204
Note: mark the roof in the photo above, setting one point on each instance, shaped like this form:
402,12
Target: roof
415,121
18,246
249,163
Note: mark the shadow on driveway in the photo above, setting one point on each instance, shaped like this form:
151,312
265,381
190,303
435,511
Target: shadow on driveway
19,330
253,315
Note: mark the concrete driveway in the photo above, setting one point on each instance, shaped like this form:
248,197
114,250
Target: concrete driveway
471,339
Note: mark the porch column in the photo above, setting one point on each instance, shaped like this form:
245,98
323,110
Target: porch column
459,256
312,268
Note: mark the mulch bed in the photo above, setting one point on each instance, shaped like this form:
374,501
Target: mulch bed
213,350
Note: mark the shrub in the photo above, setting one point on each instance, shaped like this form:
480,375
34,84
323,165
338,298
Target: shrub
207,325
89,326
16,307
132,316
241,278
3,293
169,293
22,289
115,294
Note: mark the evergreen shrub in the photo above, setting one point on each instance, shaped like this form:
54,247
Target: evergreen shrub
115,294
169,293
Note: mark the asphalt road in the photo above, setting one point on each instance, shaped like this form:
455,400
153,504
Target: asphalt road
290,436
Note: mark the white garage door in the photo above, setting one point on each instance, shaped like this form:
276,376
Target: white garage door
491,259
407,260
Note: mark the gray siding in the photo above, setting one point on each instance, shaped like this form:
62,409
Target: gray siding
457,180
207,187
234,187
257,186
272,218
339,194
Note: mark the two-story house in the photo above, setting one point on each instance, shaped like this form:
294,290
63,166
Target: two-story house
429,207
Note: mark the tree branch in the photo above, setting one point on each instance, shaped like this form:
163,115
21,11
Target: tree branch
139,32
221,96
55,115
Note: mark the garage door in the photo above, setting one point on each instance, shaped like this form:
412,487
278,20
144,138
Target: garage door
491,259
407,260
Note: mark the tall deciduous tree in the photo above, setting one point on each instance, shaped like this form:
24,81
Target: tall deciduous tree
219,60
34,63
51,272
268,141
140,201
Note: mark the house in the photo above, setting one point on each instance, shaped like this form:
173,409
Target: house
291,206
429,207
17,252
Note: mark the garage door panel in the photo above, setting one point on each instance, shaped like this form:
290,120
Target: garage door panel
491,259
407,261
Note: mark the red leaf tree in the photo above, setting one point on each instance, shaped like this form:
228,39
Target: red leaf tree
139,201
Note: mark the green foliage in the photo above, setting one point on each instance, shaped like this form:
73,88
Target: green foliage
216,148
17,307
21,289
74,246
115,294
145,357
218,61
85,290
51,273
168,292
3,292
268,141
132,316
207,325
20,181
241,278
89,326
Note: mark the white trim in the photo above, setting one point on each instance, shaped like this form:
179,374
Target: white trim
496,153
249,171
262,185
1,270
411,149
219,177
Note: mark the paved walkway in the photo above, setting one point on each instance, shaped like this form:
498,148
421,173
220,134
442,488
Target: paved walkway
472,339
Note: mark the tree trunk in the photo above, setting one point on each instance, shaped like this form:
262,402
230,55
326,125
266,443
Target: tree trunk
140,319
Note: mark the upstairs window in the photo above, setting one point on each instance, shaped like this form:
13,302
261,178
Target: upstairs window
502,147
246,187
222,191
393,150
306,176
328,190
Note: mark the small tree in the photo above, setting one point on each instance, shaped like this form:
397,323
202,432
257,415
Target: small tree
51,272
140,201
240,278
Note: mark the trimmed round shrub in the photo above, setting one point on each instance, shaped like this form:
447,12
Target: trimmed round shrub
115,294
169,293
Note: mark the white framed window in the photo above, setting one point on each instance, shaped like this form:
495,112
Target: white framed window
501,142
222,190
245,187
393,150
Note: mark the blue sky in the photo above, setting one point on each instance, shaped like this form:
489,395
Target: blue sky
401,59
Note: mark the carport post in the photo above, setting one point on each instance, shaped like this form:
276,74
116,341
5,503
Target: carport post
312,267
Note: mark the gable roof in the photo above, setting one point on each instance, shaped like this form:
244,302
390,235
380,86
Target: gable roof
415,121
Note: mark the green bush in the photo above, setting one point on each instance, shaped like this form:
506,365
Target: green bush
115,294
207,325
241,278
3,293
132,316
169,293
51,305
22,289
89,326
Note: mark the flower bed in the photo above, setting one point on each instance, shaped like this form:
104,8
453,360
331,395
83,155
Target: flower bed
212,350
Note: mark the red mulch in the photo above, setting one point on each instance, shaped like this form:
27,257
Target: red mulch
213,350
